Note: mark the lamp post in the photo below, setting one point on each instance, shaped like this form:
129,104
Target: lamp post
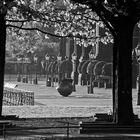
26,63
19,76
138,77
74,57
35,60
59,58
47,60
91,57
22,69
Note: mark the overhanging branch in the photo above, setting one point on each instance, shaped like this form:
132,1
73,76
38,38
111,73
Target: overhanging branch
59,36
32,29
12,20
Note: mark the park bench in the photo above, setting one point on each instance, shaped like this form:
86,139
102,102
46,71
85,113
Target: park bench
104,81
15,96
103,74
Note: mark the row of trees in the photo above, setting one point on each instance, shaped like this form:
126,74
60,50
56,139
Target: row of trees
77,19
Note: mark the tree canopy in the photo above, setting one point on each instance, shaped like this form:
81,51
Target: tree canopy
67,19
77,19
110,10
74,18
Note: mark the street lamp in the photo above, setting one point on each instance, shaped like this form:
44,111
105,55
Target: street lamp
91,56
26,66
137,50
74,57
59,58
35,60
19,76
47,60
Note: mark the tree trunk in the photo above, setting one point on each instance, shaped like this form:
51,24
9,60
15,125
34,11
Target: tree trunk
2,56
122,73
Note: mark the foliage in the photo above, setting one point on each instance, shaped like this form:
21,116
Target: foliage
67,19
80,21
25,42
64,17
111,11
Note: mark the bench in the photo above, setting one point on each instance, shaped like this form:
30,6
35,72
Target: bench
104,81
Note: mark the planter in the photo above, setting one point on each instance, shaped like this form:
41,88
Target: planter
65,87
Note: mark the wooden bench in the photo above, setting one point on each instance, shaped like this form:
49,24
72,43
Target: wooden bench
104,81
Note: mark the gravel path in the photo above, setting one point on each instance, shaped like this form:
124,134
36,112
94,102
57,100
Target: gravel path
49,103
52,111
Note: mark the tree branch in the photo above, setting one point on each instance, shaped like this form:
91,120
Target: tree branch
12,20
31,29
59,36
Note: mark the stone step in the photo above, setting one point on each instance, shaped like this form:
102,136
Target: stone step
9,117
107,127
128,130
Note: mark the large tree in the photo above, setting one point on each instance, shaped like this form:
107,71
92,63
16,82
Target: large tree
39,15
120,16
77,20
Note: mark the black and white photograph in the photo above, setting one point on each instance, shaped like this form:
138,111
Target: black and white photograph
69,69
